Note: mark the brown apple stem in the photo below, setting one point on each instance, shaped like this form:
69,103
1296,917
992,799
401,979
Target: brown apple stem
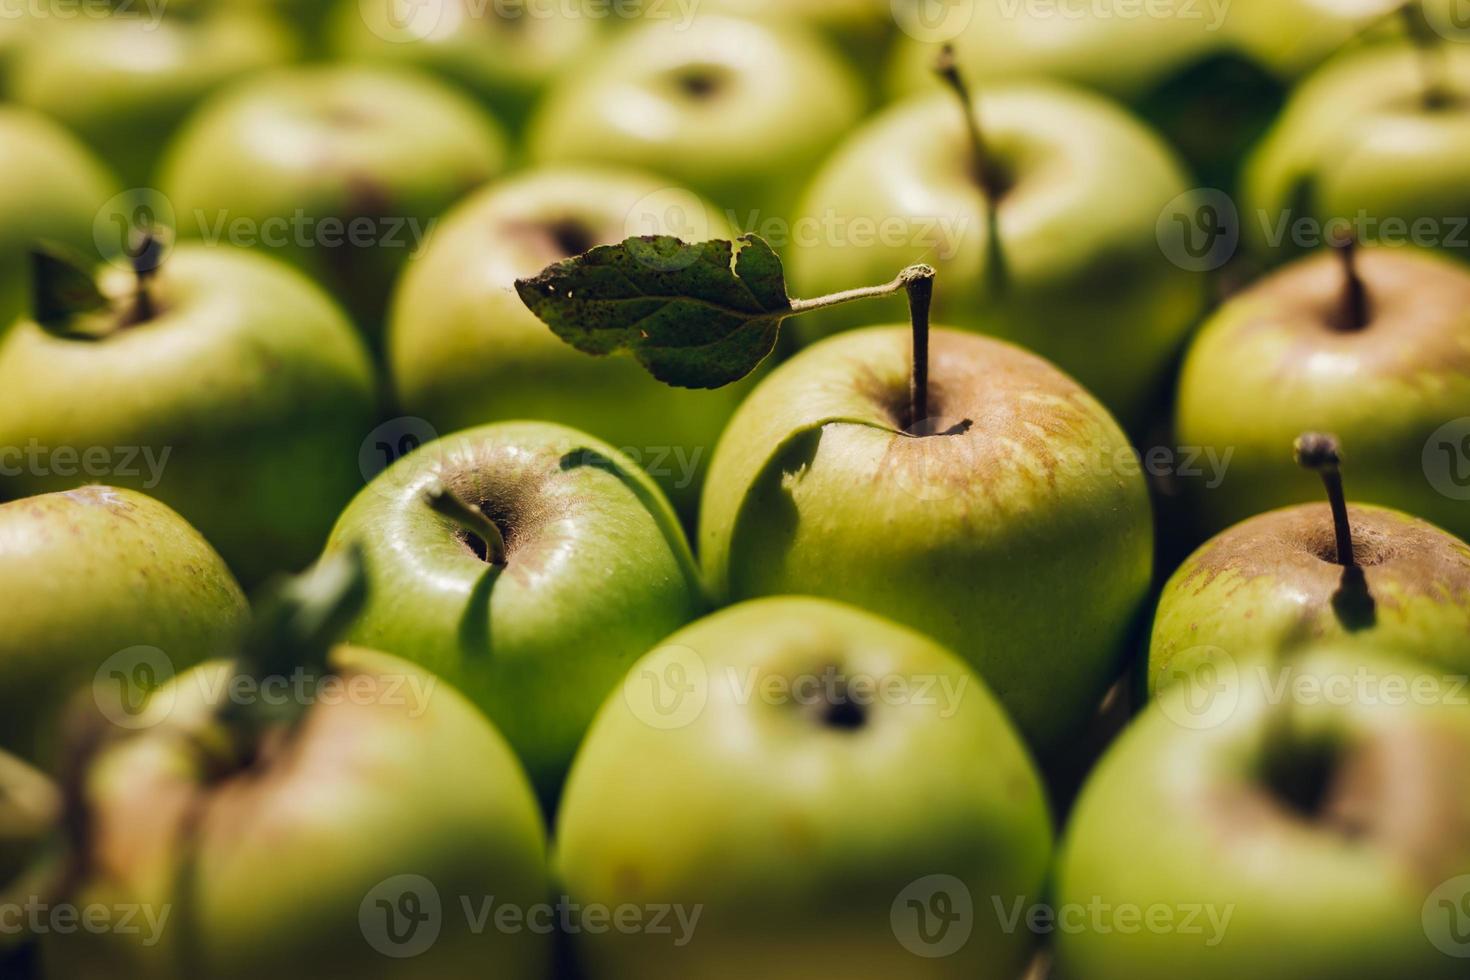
1322,453
469,518
1433,63
921,297
1355,312
146,252
899,284
947,68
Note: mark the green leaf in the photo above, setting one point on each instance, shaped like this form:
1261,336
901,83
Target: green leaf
695,315
62,292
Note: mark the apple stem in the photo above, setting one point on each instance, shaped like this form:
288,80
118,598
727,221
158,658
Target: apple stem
145,251
1323,454
947,68
468,517
1433,64
1355,294
920,288
296,624
899,284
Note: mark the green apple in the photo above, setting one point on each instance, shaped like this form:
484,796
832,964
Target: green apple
53,191
341,815
736,109
588,569
1288,356
464,350
1275,582
774,774
88,575
504,52
1373,140
1080,190
863,28
238,397
29,806
340,170
1307,823
125,82
1007,525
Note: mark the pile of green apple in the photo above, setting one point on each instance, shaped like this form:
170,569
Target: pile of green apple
702,490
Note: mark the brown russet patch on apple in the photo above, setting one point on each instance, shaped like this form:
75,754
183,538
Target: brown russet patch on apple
1401,556
1418,314
995,409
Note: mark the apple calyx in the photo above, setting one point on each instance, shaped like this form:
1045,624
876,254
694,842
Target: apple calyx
293,630
1322,454
67,303
695,315
469,518
1355,314
1433,63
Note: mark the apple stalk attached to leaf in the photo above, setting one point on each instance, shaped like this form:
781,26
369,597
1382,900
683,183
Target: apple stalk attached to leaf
852,475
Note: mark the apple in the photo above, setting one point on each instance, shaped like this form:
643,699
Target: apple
506,53
735,109
464,350
863,28
223,383
1388,373
88,575
774,771
53,191
29,806
125,82
340,170
1308,821
1378,139
342,830
529,565
1358,577
1058,206
1006,522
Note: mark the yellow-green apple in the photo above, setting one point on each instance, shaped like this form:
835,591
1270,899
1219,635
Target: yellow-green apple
529,565
302,811
1360,577
221,382
811,789
1312,820
506,53
463,350
126,81
53,191
1373,140
968,522
1374,349
340,170
88,575
738,110
1056,205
